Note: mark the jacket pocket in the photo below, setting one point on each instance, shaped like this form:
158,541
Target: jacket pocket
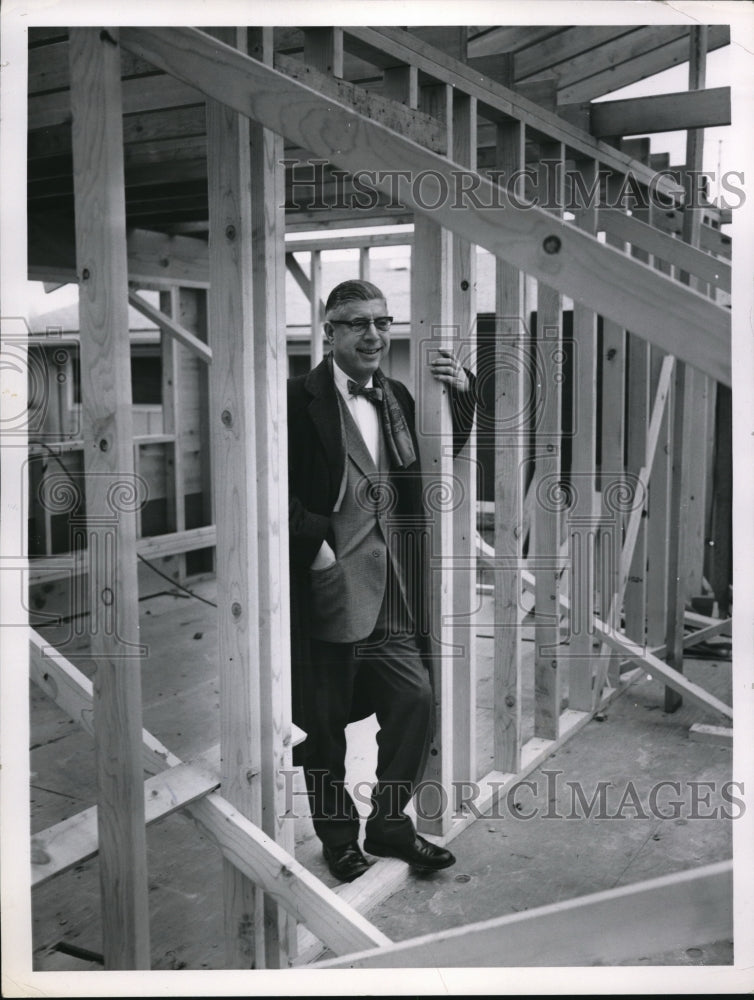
328,596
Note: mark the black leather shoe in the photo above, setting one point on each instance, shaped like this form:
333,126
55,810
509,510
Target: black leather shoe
419,854
346,862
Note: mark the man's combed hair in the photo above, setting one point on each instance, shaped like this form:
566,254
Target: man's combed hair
349,291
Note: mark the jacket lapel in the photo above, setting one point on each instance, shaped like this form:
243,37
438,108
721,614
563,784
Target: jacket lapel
325,415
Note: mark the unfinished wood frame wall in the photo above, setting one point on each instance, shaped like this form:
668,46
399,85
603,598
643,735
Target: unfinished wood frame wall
244,271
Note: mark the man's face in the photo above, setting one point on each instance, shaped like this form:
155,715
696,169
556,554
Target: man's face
358,353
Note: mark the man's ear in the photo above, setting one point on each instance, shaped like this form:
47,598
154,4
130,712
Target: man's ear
328,328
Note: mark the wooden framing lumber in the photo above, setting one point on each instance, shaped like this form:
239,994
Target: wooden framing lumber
171,327
47,110
339,926
581,521
682,322
271,371
420,127
323,50
496,101
679,556
547,522
719,735
662,112
612,480
73,840
432,329
316,307
549,54
513,345
233,381
464,317
646,62
642,477
509,38
647,659
673,678
647,918
641,235
109,479
658,513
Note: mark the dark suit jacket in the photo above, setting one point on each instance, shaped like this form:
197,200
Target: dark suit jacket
316,458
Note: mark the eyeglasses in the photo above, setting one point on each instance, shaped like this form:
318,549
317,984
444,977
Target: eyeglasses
362,323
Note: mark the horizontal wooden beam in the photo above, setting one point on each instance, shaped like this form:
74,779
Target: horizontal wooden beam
675,318
632,58
549,54
139,94
686,908
171,327
74,840
631,230
45,570
353,242
252,851
662,112
509,38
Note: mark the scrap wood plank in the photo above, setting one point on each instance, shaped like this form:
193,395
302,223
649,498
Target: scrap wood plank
683,322
674,911
702,733
336,923
74,840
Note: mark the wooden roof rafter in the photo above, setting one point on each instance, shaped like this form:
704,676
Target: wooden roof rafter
677,319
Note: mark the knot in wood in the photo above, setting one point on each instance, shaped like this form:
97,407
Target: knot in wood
227,418
236,609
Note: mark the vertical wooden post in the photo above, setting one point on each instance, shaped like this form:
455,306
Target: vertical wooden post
657,520
685,450
546,484
232,422
611,479
271,369
582,524
401,83
111,492
636,445
364,263
679,494
465,471
431,327
171,424
323,50
315,306
512,352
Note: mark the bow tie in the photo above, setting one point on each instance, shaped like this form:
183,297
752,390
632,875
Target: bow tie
373,395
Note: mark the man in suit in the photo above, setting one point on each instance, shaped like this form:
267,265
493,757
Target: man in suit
360,639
